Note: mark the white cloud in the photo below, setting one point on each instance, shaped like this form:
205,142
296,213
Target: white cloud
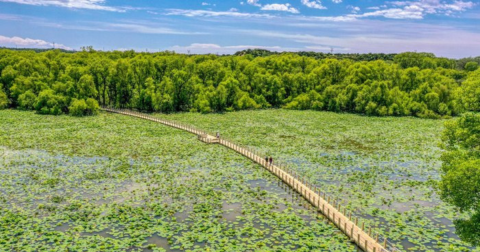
129,26
208,4
436,6
29,43
418,9
396,13
381,37
355,9
337,1
234,13
280,7
300,38
254,2
207,13
138,28
316,4
347,18
198,48
320,48
75,4
10,17
398,10
473,15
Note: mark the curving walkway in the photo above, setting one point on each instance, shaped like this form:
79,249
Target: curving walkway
324,205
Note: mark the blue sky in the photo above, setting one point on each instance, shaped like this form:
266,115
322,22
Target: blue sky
449,28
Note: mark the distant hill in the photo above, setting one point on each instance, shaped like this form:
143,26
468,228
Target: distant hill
38,50
321,55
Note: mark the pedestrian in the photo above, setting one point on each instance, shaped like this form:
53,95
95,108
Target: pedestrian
218,135
266,160
271,160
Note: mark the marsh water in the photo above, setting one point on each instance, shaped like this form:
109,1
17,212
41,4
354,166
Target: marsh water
130,185
112,190
96,181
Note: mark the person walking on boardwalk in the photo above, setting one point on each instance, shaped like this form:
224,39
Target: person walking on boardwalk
218,135
271,160
266,160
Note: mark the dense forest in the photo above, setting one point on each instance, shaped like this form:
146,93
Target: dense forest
416,84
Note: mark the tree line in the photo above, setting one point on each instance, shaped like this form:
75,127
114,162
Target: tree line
321,55
407,84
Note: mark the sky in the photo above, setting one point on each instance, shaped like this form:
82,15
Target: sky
447,28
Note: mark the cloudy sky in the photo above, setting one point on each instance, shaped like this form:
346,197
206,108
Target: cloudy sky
448,28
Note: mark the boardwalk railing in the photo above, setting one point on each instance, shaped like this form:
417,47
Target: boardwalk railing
325,204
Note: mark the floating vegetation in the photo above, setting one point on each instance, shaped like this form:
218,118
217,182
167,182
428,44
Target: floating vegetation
114,183
384,169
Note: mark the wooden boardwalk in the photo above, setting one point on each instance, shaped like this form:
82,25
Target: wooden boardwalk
359,235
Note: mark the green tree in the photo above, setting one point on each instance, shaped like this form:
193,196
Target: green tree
49,103
245,102
460,184
202,104
471,66
471,91
3,98
412,59
85,87
27,100
146,101
101,72
8,76
182,90
78,107
121,87
208,72
81,107
417,84
311,100
220,98
410,79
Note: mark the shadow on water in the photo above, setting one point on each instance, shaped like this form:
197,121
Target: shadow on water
231,211
447,223
407,245
66,227
182,216
159,242
103,233
62,228
284,192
